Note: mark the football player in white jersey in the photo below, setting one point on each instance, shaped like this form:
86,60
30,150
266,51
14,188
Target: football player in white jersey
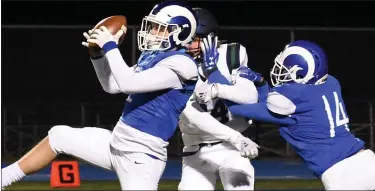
212,148
159,87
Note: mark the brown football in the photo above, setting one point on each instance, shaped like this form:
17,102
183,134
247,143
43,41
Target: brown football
113,24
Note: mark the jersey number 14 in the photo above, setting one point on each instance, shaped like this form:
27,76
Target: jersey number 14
340,115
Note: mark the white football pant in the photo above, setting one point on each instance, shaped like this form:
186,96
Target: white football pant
136,171
354,173
199,170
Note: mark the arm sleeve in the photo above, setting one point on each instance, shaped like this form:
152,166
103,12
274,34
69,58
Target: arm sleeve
259,111
104,74
242,92
263,92
225,86
162,76
206,123
217,77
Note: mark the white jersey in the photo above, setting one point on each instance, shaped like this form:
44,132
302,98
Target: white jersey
194,133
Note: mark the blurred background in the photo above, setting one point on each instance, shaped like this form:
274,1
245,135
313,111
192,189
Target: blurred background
47,77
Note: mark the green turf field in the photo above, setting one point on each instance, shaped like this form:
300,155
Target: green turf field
171,185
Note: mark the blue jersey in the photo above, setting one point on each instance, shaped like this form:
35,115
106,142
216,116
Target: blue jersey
317,129
157,113
320,135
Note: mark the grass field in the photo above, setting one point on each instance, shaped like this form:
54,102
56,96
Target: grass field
171,185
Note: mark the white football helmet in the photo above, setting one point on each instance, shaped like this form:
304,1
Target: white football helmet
169,25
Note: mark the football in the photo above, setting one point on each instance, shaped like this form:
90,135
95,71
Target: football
113,24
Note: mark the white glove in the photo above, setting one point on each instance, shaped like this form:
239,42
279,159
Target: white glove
247,147
102,35
87,36
205,92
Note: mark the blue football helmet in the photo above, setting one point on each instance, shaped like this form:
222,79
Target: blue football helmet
300,62
169,25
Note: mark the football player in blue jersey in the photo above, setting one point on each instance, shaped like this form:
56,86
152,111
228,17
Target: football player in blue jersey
307,104
159,87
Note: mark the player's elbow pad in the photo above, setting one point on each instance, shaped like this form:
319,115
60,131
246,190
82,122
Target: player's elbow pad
280,104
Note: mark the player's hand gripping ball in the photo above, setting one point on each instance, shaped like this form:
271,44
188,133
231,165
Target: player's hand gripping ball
114,24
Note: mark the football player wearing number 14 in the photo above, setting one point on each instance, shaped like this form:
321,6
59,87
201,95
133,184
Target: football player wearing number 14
308,105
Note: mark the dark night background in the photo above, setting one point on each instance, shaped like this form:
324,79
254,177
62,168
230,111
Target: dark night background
43,62
51,65
229,12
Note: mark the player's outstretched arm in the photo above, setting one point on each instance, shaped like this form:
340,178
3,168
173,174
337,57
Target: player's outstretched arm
102,69
157,78
257,111
245,73
195,115
105,77
168,73
243,91
260,112
202,120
